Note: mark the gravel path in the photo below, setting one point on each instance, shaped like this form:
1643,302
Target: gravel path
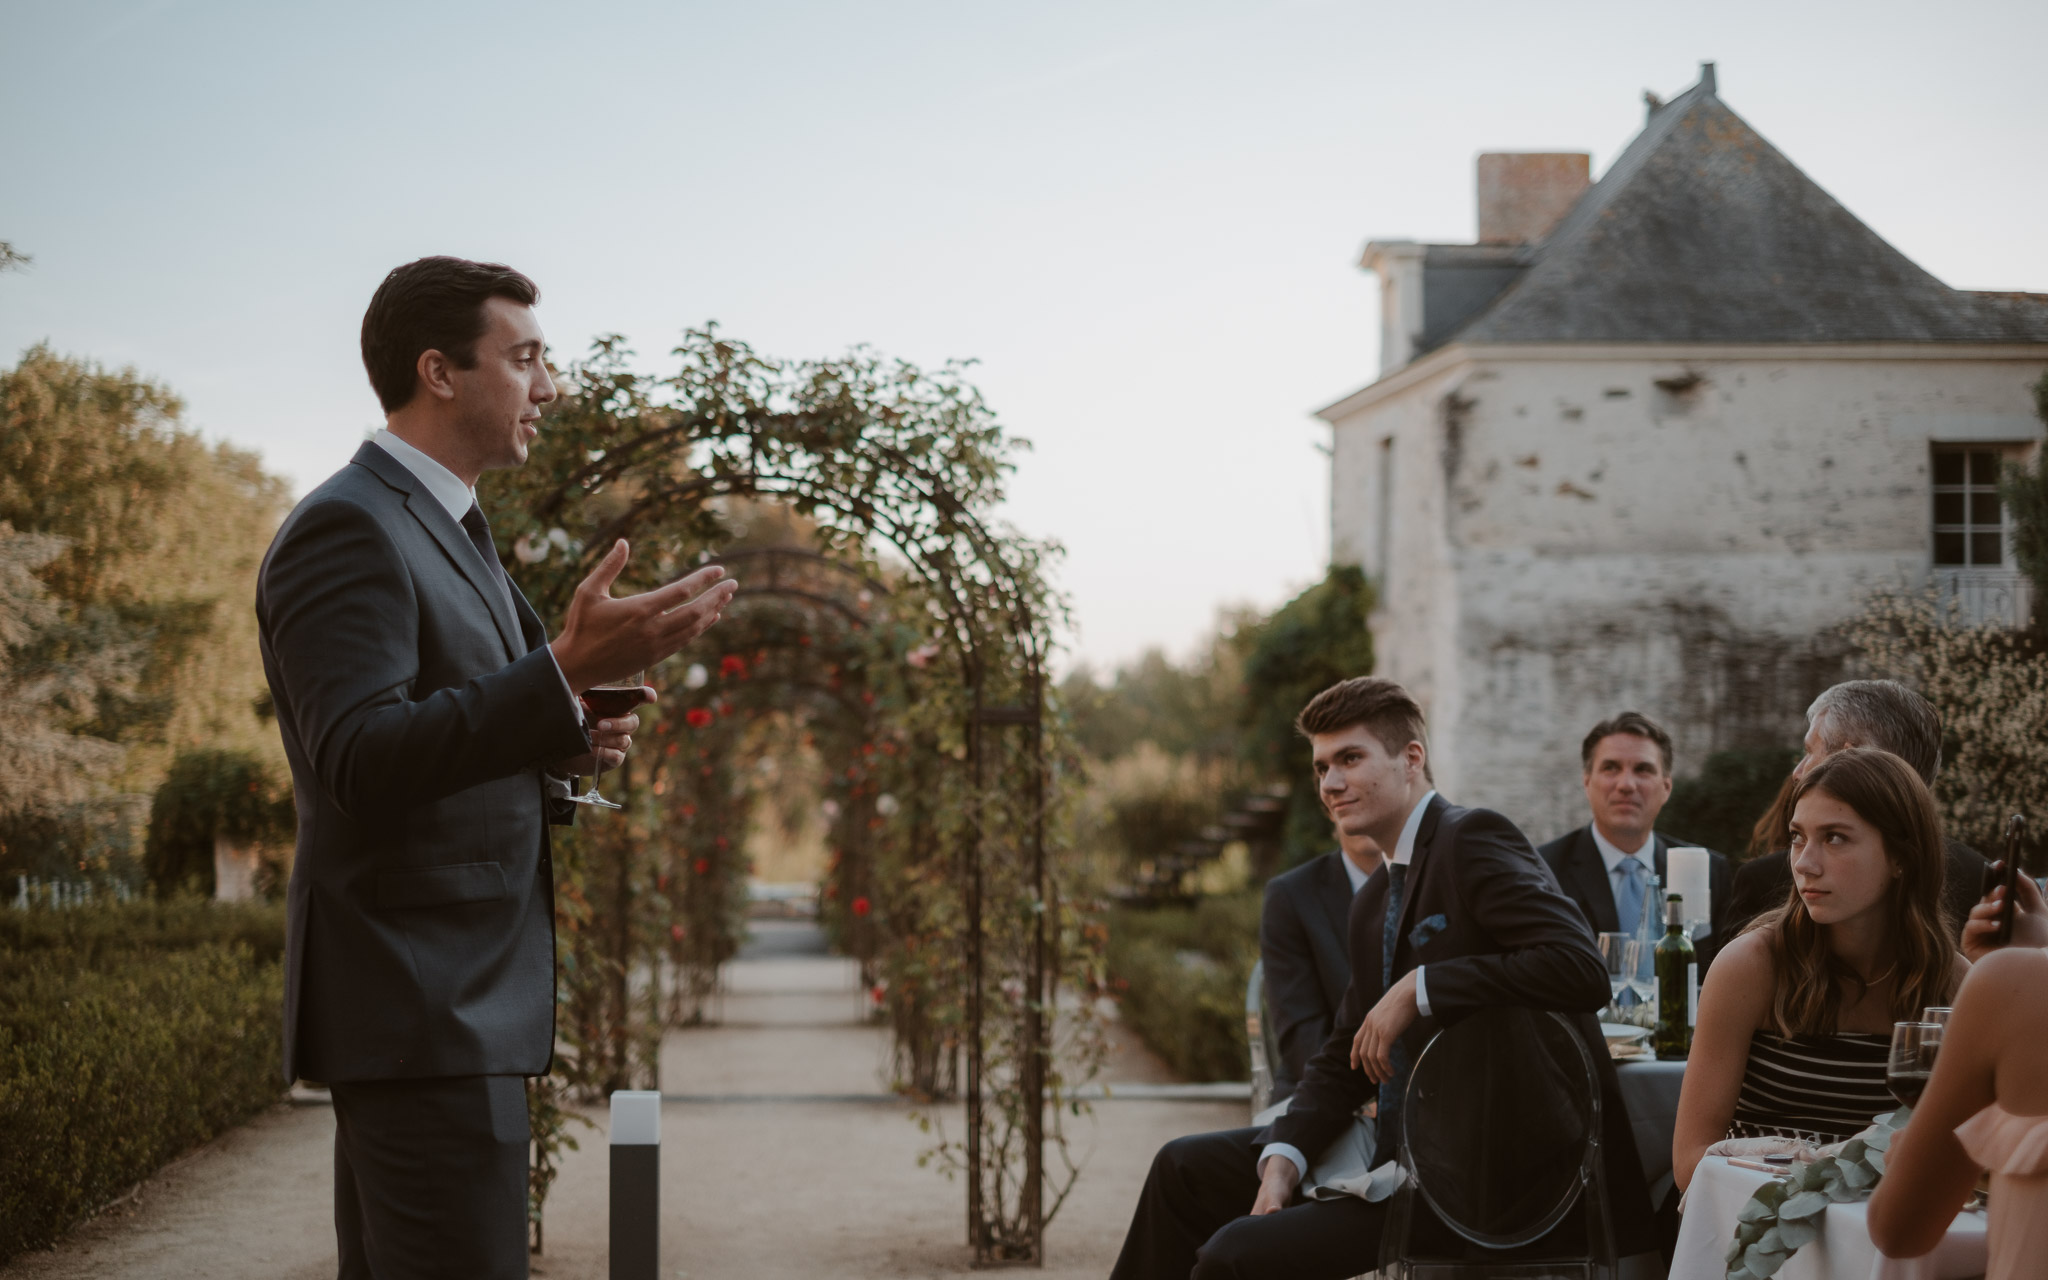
782,1155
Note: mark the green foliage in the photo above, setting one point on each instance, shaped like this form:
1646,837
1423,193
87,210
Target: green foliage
2025,494
127,1035
1719,807
1990,686
152,542
1786,1215
209,793
1310,643
1190,709
1180,975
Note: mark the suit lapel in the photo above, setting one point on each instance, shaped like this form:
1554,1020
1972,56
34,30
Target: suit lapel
1419,863
1588,871
455,543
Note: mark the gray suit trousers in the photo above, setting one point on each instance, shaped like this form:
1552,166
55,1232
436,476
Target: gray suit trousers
430,1178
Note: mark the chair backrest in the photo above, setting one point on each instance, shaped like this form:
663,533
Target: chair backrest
1501,1125
1257,1035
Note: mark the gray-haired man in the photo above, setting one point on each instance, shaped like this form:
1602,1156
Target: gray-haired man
1864,713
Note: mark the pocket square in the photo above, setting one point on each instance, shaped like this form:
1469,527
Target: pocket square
1419,936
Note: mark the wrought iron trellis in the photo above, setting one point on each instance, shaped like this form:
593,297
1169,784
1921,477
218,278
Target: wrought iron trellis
833,446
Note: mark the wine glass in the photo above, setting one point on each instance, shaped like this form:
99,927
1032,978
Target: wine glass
1915,1046
1642,968
1615,949
1937,1014
607,702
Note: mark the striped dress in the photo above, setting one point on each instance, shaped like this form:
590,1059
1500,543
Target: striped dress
1822,1088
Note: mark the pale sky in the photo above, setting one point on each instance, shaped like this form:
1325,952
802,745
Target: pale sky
1142,219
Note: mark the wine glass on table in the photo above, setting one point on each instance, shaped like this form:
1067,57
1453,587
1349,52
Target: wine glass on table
608,702
1915,1045
1615,950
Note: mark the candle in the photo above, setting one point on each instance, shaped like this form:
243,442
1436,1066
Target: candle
1686,875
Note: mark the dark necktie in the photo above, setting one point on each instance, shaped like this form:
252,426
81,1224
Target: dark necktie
1390,932
479,530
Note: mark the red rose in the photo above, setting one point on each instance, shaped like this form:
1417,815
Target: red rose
703,866
860,906
676,931
732,664
697,717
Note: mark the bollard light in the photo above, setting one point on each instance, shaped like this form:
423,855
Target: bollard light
636,1184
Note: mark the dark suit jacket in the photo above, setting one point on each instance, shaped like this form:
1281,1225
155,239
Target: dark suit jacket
1307,965
1765,882
1583,875
1509,937
416,712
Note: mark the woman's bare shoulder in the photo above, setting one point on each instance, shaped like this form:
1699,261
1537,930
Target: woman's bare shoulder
1743,973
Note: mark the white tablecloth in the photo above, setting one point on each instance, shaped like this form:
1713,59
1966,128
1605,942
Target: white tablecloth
1843,1252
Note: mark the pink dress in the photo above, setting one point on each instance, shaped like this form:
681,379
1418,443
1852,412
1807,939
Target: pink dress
2015,1150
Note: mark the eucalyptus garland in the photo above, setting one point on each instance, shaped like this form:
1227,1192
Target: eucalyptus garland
1785,1214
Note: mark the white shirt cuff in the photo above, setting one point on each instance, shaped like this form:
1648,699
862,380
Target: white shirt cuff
575,703
1421,993
1288,1150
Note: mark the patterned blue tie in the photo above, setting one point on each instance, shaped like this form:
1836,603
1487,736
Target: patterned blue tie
1390,1090
1630,904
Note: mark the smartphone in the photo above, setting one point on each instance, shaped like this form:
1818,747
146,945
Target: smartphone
2008,873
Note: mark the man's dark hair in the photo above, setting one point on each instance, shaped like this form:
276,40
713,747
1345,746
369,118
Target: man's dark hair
1634,722
434,304
1883,714
1387,711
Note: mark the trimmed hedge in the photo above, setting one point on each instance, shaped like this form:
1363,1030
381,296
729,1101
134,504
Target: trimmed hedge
1180,973
127,1036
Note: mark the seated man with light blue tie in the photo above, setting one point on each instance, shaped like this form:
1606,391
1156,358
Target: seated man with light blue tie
1463,917
1605,866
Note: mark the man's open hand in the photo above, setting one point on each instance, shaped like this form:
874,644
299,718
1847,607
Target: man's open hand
605,639
1373,1047
1277,1181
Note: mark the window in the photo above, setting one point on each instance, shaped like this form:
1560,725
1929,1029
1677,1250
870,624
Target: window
1969,520
1384,534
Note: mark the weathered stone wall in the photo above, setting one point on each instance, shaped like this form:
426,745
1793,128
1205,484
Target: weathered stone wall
1573,533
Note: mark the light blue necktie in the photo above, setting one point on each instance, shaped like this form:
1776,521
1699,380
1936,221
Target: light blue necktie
1390,1090
1630,901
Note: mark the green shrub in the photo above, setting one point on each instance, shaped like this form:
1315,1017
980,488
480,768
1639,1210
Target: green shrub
1720,806
209,793
127,1035
1180,974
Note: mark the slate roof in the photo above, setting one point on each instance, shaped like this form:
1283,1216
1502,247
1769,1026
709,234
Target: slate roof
1702,231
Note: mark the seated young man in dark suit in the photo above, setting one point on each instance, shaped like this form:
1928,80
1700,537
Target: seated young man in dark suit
1303,947
1463,917
1606,865
1864,713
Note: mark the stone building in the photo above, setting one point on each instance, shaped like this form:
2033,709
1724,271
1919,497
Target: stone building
1651,439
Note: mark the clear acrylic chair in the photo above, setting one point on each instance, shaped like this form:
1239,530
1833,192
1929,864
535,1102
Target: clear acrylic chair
1501,1148
1258,1035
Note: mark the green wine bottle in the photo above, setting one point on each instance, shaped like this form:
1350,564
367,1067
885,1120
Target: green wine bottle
1678,985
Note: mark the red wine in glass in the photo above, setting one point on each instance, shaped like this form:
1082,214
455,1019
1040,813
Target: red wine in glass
606,702
1907,1086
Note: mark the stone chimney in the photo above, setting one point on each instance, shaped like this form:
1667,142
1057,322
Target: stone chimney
1522,195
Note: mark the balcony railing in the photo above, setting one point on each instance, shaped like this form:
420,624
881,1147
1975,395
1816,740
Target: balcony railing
1983,597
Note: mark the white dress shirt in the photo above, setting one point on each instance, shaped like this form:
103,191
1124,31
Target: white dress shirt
456,498
1612,854
1352,873
1404,850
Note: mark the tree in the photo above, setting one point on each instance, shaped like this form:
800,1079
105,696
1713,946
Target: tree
2025,493
1310,643
55,674
160,537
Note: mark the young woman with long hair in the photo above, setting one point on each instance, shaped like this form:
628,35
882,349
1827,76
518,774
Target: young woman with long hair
1796,1015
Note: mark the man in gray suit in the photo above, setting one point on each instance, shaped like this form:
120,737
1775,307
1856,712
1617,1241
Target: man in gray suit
431,727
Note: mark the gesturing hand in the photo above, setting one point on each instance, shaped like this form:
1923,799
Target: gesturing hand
1372,1048
604,639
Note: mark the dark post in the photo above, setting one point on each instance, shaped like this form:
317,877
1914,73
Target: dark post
636,1184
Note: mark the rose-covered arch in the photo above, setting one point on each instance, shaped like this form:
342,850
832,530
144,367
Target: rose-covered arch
885,609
